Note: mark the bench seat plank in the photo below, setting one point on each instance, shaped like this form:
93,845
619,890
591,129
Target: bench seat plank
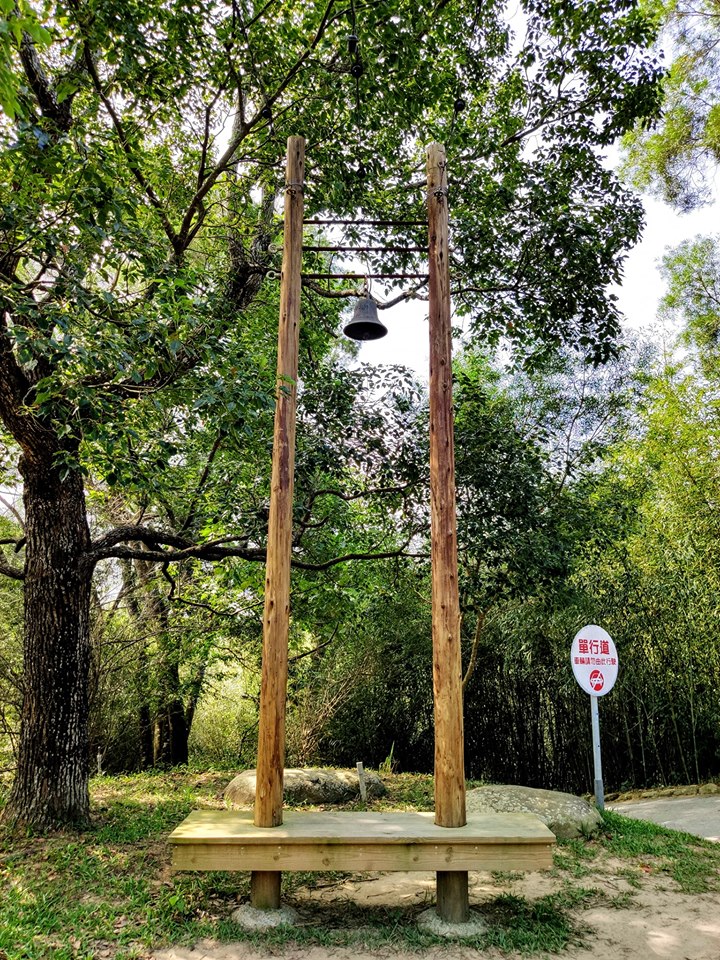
229,840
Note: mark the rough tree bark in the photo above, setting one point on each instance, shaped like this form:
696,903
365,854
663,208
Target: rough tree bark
51,783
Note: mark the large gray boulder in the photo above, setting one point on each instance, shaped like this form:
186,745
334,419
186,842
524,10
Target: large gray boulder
566,815
312,785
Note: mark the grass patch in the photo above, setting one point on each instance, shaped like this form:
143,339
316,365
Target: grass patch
107,892
633,877
537,927
693,863
505,877
406,791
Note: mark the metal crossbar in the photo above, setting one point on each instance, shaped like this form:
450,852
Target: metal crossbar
365,223
364,276
315,249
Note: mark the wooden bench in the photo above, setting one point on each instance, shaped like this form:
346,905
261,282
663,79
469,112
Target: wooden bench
357,842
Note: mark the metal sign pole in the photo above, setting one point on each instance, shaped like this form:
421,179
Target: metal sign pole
594,662
595,718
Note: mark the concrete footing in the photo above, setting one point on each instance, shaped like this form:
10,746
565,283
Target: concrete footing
249,918
430,922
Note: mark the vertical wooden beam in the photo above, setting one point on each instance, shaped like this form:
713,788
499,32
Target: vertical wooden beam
452,887
265,886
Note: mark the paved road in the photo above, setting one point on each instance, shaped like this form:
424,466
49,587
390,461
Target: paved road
698,815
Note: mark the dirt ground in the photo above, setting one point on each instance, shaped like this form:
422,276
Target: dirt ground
655,921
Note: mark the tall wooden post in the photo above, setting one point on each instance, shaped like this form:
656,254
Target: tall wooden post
265,885
452,886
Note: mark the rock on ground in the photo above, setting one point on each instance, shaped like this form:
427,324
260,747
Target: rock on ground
311,785
565,814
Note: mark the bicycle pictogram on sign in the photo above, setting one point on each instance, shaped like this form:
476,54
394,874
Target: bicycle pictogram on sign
594,660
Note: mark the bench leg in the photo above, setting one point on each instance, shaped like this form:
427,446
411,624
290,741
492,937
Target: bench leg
452,896
265,889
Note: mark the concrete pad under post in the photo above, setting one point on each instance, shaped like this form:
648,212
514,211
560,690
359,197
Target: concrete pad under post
249,918
430,922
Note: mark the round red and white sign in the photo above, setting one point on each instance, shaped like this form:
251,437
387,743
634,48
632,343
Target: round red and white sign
594,660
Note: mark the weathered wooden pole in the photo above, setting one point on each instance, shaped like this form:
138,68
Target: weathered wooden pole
452,886
265,885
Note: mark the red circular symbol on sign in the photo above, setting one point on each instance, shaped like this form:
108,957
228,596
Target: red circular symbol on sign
597,680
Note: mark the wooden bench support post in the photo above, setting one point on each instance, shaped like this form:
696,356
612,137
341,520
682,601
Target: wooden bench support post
452,896
265,889
265,886
452,887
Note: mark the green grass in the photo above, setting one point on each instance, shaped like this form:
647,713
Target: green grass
516,924
694,864
408,791
648,850
505,877
575,857
108,892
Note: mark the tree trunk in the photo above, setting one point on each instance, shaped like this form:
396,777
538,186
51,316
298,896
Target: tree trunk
179,733
145,719
170,741
171,736
51,782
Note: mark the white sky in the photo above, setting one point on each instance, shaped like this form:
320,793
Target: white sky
643,286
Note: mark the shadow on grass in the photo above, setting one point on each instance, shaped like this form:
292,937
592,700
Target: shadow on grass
513,924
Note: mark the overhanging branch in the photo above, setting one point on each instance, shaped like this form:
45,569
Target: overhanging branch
382,555
9,569
162,547
117,544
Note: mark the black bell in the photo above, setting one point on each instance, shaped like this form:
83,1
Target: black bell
365,324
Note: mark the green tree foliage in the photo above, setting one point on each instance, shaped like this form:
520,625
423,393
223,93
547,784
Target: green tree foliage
533,445
522,450
653,574
139,180
19,23
181,627
692,271
507,505
368,694
638,530
676,158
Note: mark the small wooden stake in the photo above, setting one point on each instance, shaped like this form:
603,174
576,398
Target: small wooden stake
265,886
362,784
452,889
